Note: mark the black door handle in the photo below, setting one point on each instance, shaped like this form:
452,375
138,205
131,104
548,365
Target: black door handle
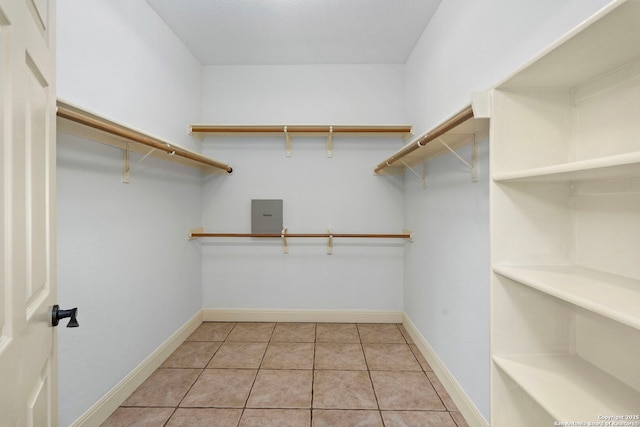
57,314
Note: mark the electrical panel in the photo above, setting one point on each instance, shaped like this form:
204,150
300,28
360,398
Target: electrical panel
266,216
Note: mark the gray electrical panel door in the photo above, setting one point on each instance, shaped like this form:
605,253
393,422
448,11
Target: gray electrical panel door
266,216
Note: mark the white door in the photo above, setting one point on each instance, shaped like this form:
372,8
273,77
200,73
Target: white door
28,370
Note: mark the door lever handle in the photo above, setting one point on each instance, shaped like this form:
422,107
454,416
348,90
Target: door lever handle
57,314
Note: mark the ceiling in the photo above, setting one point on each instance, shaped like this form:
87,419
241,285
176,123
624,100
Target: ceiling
223,32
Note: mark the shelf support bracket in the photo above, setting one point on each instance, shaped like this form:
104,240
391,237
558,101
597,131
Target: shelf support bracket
474,160
285,243
422,177
125,164
127,167
474,157
287,142
330,142
330,243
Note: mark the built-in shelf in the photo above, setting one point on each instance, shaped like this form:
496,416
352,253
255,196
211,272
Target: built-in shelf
81,122
610,167
570,388
565,203
403,131
609,295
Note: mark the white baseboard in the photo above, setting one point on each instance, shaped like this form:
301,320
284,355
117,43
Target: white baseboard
321,316
471,414
101,410
104,407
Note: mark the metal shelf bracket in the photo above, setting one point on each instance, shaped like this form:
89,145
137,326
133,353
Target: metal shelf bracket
473,166
126,162
423,176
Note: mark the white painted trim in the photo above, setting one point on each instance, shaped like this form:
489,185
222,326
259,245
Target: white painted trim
285,315
101,410
466,407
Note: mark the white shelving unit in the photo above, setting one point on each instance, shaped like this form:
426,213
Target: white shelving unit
565,230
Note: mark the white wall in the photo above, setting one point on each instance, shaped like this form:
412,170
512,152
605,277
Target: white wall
119,59
123,257
468,46
318,192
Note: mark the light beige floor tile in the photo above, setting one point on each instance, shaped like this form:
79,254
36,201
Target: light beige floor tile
343,390
253,332
380,333
417,418
337,332
421,360
340,389
405,390
294,332
442,392
192,354
220,388
205,417
276,418
388,357
281,389
346,418
144,417
239,355
288,355
164,387
339,356
211,331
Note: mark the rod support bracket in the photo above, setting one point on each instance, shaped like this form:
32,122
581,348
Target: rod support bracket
194,231
285,242
126,168
287,142
410,233
422,177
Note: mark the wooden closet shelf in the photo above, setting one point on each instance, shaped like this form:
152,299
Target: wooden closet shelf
78,121
288,131
457,131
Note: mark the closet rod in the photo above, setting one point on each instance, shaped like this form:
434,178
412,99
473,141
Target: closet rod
322,129
427,137
325,235
113,129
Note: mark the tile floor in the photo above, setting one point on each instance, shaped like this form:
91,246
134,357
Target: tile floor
292,374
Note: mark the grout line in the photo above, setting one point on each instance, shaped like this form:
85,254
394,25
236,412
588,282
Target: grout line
172,414
373,388
313,372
